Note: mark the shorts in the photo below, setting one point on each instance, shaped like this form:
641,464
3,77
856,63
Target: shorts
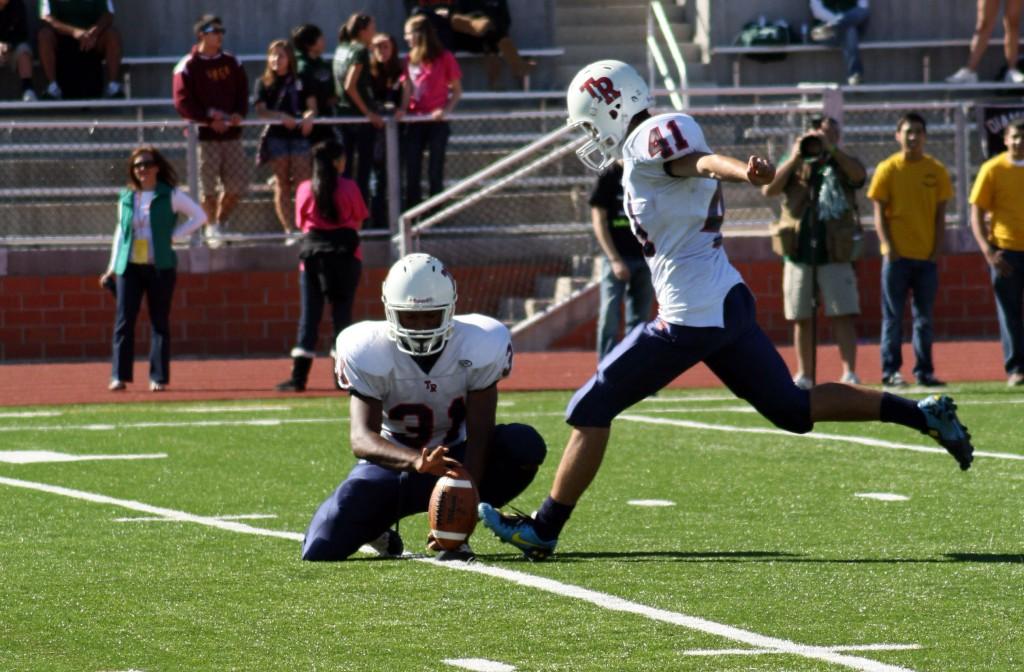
838,285
279,148
223,161
14,54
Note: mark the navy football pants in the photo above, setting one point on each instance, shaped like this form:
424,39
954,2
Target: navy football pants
655,353
372,498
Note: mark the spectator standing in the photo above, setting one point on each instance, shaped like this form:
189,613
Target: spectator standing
385,78
14,49
145,263
329,211
997,220
72,26
431,86
284,144
817,181
316,76
985,21
625,276
843,22
910,190
211,89
355,97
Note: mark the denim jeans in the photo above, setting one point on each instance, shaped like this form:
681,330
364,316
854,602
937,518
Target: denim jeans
638,293
421,137
848,31
1009,302
898,277
312,305
158,286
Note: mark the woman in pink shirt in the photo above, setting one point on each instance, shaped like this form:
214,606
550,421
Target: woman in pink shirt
431,87
329,210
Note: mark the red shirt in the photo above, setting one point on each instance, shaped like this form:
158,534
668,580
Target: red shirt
347,199
430,82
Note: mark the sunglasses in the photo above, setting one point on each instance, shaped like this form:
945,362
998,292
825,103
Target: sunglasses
213,29
142,165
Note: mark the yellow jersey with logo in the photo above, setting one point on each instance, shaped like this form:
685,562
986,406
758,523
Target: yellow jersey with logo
999,190
910,193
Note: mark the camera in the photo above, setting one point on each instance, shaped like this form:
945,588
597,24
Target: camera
811,148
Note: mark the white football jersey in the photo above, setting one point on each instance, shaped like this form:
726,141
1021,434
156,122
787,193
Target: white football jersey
678,221
424,409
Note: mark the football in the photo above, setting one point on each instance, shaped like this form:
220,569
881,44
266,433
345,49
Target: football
452,512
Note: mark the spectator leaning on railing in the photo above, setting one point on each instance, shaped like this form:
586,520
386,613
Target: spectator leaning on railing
316,76
79,25
386,82
211,89
14,49
355,97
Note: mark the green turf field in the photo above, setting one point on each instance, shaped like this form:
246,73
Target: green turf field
767,557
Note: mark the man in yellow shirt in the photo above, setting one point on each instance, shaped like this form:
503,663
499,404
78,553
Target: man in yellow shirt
910,190
998,192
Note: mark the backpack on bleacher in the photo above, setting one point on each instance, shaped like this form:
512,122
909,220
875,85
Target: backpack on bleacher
762,33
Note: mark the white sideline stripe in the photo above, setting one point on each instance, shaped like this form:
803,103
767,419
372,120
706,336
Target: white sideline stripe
704,409
758,652
651,502
878,443
266,422
31,414
161,519
883,496
602,600
232,409
684,399
181,516
478,665
39,456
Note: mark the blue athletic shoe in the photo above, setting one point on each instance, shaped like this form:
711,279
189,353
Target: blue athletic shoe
516,530
945,428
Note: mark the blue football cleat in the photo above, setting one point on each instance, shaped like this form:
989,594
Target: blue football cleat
516,530
945,428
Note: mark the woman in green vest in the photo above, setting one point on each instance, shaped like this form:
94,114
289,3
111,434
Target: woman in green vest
143,262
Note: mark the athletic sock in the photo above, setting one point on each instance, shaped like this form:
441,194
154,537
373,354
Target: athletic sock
551,517
902,411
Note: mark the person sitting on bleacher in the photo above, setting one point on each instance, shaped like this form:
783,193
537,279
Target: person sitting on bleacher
14,49
482,26
211,89
71,26
842,22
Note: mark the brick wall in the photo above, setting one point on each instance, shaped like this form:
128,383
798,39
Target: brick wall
256,312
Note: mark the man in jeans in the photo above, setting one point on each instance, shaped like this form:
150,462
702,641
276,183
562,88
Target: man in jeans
624,272
910,190
842,22
211,89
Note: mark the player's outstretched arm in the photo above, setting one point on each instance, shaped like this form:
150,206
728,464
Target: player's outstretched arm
757,171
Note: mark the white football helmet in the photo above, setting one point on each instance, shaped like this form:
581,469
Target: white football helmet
602,99
419,283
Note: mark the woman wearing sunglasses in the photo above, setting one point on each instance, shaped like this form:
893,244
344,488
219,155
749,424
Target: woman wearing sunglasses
143,262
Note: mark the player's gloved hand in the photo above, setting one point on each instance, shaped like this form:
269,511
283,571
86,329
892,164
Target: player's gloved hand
435,461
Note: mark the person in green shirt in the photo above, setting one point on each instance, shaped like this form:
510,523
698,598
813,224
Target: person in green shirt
355,97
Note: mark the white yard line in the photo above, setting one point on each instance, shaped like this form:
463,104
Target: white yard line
602,600
759,652
231,409
31,414
817,436
264,422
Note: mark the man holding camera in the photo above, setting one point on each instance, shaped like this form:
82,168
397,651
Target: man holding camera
818,181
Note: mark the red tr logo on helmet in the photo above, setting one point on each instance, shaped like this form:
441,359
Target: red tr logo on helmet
601,89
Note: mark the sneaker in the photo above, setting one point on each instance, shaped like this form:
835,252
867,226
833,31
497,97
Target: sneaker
803,382
1014,76
516,530
116,385
290,385
945,428
461,554
894,379
113,90
854,79
928,380
850,378
29,96
822,33
157,387
212,236
53,92
387,545
963,76
1015,380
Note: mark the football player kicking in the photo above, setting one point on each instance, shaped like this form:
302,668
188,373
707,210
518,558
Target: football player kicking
424,394
673,198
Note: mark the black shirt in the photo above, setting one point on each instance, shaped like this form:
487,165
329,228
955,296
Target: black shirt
284,95
608,194
13,25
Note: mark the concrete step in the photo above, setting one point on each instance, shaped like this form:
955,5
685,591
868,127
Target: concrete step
613,15
571,35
